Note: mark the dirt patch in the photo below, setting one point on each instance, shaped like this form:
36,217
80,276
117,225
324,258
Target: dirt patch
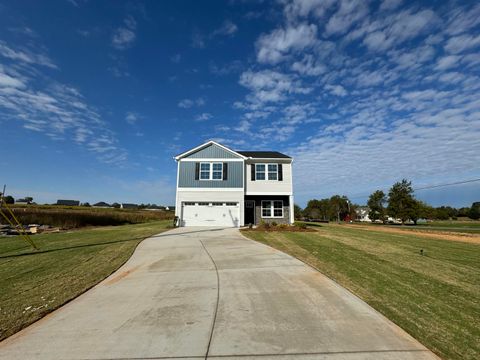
120,276
278,229
442,235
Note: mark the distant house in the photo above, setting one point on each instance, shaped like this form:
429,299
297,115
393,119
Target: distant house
68,202
128,206
102,204
362,214
23,202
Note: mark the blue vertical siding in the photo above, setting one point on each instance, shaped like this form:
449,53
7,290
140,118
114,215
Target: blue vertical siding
186,176
213,152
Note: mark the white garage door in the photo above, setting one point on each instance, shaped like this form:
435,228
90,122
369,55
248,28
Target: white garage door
211,214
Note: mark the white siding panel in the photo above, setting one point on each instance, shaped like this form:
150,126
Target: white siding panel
269,186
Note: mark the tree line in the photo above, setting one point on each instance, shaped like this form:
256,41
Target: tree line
399,203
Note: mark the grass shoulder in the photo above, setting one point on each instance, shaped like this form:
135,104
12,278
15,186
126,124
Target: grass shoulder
34,283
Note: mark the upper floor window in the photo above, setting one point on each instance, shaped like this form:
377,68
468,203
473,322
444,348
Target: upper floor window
211,171
205,171
272,171
260,171
266,172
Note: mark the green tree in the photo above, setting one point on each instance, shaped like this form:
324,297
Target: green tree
297,212
376,203
339,207
401,203
9,199
474,212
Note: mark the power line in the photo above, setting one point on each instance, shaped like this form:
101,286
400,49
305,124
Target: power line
429,187
448,184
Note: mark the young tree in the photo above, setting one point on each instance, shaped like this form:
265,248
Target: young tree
376,203
401,203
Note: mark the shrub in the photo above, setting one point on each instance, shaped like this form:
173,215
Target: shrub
273,223
300,225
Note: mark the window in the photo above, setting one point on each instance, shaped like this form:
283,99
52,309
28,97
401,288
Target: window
211,171
260,172
217,204
231,204
266,172
272,209
203,204
189,203
278,209
217,171
204,171
272,172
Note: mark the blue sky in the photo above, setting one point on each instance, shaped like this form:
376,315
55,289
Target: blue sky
96,97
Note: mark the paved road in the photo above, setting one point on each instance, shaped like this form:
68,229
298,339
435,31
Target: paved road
192,292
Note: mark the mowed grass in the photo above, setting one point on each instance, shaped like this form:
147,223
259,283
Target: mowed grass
454,226
33,283
435,297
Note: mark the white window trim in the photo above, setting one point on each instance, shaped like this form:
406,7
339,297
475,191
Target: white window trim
266,172
211,171
272,208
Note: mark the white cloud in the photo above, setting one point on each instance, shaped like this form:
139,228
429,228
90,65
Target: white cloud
275,46
188,103
270,86
124,36
55,109
228,28
447,62
203,117
349,12
337,90
303,8
396,29
26,56
132,117
309,66
461,43
390,4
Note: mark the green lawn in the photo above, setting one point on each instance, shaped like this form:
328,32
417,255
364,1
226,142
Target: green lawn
435,297
455,226
33,283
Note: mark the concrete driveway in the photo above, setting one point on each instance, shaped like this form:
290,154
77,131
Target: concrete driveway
193,293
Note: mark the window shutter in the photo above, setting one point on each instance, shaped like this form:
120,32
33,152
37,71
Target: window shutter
253,172
197,171
280,172
225,171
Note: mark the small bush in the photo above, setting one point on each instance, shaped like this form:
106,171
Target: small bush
300,225
273,223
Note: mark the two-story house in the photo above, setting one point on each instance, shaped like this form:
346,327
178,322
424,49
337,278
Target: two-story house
217,186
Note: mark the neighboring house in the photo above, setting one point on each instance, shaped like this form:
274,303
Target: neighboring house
68,202
23,202
128,206
362,214
102,204
217,186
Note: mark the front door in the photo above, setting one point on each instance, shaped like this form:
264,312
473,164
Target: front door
249,212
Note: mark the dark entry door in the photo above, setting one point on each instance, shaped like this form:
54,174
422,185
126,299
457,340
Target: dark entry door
249,212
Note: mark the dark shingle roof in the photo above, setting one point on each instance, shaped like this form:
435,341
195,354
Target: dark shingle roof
264,154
